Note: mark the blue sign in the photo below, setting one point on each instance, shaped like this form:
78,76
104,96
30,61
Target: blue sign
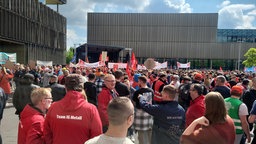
250,69
3,57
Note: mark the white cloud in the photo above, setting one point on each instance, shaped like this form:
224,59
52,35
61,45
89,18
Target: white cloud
73,39
109,8
76,13
179,5
134,5
224,3
237,16
252,13
76,10
125,6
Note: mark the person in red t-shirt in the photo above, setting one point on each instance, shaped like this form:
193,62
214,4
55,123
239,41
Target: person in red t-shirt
215,126
5,77
197,106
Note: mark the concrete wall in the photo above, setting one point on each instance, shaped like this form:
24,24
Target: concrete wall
192,36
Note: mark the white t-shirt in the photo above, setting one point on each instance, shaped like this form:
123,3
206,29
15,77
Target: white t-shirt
104,139
243,110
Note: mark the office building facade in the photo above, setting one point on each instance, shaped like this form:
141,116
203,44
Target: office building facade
171,37
33,31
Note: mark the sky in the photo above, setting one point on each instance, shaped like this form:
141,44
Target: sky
233,14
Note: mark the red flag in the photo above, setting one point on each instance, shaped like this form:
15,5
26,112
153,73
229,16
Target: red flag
100,58
128,70
133,62
81,62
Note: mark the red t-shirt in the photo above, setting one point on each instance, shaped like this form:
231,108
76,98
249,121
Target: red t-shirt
4,83
221,133
195,110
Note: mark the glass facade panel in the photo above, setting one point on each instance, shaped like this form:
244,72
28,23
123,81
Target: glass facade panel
236,35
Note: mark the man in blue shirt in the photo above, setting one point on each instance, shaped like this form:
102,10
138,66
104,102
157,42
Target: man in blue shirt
169,117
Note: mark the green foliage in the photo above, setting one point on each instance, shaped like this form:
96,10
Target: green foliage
251,58
69,55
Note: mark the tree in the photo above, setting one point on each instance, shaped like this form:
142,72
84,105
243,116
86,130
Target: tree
251,58
69,55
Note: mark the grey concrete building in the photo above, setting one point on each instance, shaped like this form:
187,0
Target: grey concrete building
171,37
32,30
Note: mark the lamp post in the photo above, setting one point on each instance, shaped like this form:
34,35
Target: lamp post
239,55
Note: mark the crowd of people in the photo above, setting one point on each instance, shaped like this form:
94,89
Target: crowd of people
99,105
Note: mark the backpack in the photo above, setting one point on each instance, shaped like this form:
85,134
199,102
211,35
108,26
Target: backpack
184,95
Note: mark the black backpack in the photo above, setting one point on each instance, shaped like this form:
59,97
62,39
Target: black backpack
184,95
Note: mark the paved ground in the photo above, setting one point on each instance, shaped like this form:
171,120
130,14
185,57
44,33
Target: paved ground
9,126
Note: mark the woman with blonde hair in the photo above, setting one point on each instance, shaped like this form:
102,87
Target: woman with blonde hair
216,125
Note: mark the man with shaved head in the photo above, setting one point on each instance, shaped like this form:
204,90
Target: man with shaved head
120,114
